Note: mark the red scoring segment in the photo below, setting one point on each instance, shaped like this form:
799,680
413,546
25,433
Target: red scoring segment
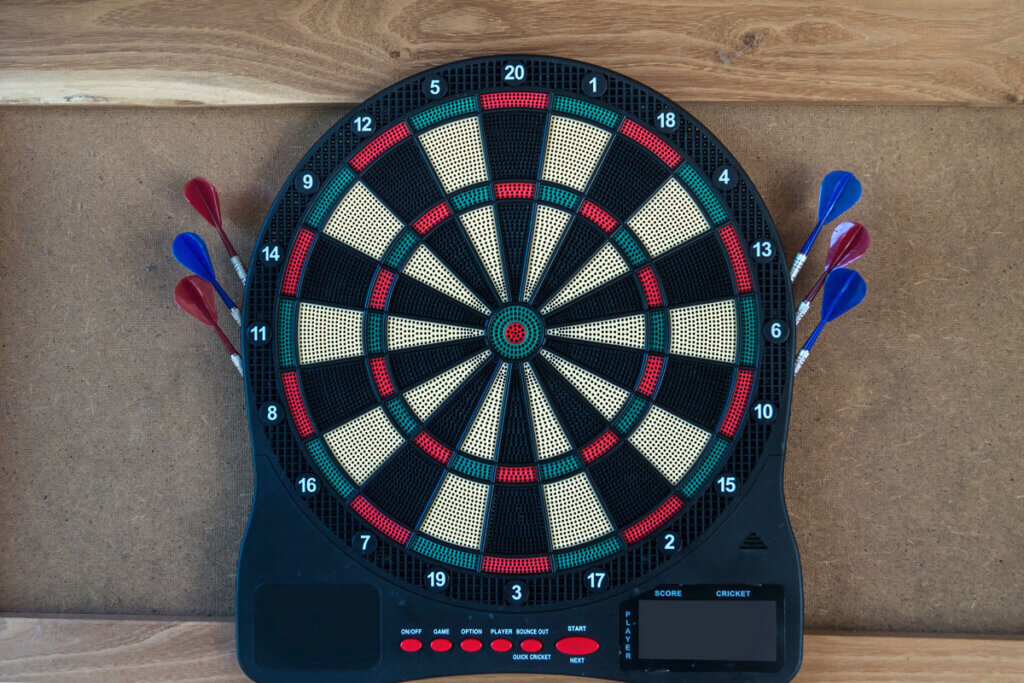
431,218
649,283
738,259
658,147
740,396
514,190
380,144
294,399
599,446
381,378
518,100
516,475
379,521
433,447
646,526
652,373
597,215
381,288
516,565
295,262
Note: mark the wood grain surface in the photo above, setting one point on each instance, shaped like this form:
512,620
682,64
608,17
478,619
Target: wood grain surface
91,649
265,52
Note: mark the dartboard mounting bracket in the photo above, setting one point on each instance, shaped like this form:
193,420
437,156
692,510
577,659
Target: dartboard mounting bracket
518,381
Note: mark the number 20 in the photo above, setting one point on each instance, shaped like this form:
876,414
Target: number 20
515,72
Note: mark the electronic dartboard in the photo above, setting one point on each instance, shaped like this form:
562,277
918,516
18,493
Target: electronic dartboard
518,367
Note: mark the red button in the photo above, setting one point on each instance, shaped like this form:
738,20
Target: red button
410,645
501,645
471,645
577,645
531,645
440,645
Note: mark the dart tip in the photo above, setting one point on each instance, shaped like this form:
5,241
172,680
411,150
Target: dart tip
801,358
239,268
801,311
798,263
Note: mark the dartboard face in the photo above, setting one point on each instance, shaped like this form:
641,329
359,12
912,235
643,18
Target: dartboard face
506,325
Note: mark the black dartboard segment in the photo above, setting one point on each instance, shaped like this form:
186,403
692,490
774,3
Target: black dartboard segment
516,332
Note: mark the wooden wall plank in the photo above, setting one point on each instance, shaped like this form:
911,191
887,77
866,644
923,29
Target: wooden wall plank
116,649
158,52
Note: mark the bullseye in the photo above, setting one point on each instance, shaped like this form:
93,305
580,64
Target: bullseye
515,333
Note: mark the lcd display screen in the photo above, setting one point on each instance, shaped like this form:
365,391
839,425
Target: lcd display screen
708,630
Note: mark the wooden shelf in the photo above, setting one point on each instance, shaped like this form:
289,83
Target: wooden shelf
265,52
37,648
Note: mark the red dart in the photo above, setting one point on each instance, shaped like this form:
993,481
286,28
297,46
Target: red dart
849,242
203,197
195,296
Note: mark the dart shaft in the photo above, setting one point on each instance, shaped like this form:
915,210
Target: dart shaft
236,360
814,336
810,241
236,315
818,285
224,296
226,242
225,342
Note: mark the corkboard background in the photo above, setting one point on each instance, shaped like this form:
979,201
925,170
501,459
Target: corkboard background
124,457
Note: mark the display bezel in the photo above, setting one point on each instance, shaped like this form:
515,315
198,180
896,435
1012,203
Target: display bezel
631,627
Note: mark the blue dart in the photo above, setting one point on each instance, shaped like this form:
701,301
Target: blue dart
190,251
839,191
844,289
